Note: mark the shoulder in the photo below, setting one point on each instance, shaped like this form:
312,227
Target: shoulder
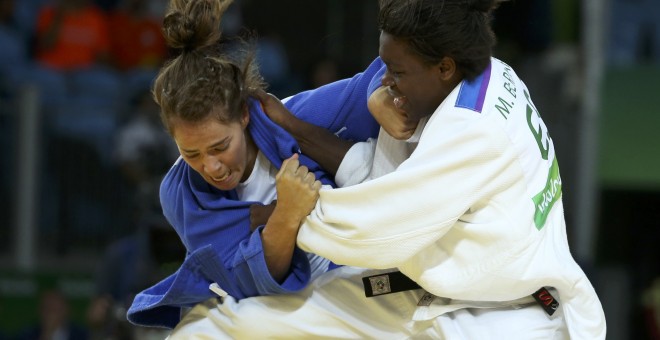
176,171
172,181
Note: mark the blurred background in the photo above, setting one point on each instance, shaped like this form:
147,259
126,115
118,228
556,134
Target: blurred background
80,225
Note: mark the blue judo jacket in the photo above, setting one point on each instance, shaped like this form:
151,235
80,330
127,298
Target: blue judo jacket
214,225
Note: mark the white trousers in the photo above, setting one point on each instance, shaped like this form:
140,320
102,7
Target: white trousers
334,307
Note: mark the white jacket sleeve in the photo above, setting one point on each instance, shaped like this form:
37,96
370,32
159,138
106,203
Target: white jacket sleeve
383,222
356,165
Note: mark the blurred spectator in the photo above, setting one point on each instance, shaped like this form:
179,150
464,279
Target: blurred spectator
143,149
634,32
72,46
136,39
138,47
72,34
54,320
17,68
72,38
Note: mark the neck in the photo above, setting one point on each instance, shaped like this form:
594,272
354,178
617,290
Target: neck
252,151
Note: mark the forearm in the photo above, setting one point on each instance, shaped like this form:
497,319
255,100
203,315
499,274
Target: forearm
279,241
319,144
382,222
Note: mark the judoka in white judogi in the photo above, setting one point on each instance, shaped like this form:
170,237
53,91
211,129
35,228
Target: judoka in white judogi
444,215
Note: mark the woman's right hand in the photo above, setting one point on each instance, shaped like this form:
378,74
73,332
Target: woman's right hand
297,189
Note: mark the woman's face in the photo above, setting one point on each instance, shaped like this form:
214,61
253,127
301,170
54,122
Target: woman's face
417,88
220,152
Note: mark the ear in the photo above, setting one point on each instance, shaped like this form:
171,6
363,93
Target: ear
447,68
245,118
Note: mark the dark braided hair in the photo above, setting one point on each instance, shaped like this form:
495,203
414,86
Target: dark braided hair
203,79
460,29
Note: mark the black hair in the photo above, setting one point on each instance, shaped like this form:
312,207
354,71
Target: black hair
460,29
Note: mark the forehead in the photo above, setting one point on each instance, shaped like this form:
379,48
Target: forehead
202,134
395,51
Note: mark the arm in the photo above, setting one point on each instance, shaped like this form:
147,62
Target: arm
318,143
384,222
298,190
260,213
325,147
339,108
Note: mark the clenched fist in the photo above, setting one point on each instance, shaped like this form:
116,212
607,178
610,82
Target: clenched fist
297,188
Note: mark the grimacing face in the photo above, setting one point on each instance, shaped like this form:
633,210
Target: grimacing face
417,88
219,152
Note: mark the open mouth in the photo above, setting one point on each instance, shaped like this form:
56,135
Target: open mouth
221,178
398,99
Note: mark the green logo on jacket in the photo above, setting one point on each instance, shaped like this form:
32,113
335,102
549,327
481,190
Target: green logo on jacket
544,200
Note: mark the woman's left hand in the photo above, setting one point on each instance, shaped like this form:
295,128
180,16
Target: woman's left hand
393,120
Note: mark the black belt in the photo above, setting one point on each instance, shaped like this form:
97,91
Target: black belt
386,283
394,282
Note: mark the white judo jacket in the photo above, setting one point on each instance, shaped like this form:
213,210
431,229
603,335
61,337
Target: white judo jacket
474,213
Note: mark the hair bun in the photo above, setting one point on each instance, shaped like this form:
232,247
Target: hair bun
193,24
177,31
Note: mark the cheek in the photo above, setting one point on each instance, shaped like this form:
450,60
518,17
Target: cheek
196,165
421,105
235,158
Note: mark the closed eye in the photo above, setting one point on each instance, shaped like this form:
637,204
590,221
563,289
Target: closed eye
391,70
220,148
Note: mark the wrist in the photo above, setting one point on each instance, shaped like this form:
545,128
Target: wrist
284,219
294,126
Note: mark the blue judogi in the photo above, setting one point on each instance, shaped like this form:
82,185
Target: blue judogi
214,225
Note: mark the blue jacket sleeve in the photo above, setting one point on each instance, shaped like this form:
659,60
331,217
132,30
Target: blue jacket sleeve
341,106
204,216
250,269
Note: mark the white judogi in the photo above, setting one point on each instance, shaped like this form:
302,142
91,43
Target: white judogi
473,214
331,307
334,306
